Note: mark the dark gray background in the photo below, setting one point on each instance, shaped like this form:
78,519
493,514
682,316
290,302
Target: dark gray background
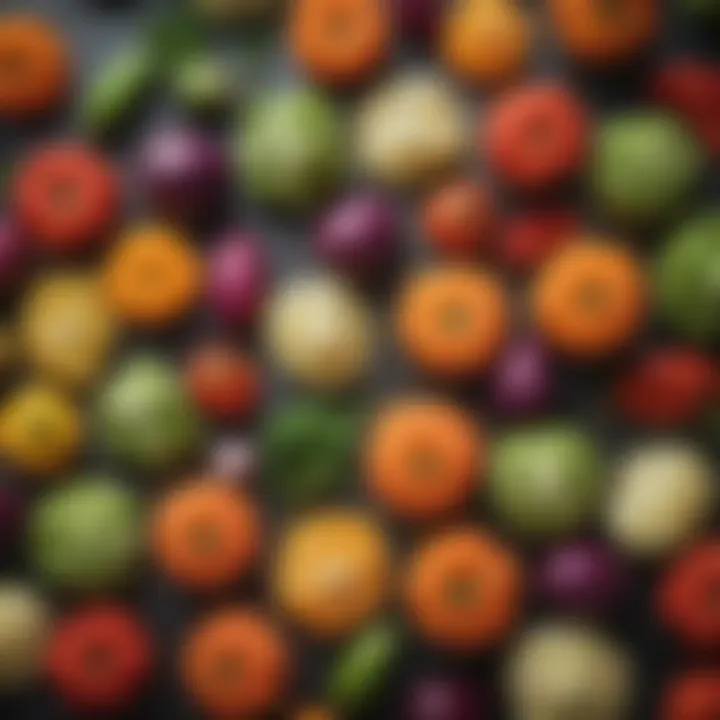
97,31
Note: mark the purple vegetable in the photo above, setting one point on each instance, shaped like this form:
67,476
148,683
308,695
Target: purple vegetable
234,460
523,381
185,173
239,279
437,699
582,578
419,20
12,518
13,255
359,236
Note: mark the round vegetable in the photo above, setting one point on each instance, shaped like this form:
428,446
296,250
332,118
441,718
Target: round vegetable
146,417
238,279
645,167
662,498
13,512
686,279
24,629
582,578
410,131
442,699
87,537
546,480
235,663
205,85
320,333
293,149
13,255
523,381
99,659
562,668
694,695
184,172
333,572
363,668
359,236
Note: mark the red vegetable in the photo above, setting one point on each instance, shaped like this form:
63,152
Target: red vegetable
668,388
691,88
693,696
99,659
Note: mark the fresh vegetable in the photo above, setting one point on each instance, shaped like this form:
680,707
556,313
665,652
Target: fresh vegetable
206,86
418,20
443,699
694,695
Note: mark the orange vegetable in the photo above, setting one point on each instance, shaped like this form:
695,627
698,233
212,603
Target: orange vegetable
35,67
604,32
236,664
340,41
205,535
459,218
452,320
464,590
153,276
589,299
424,458
486,42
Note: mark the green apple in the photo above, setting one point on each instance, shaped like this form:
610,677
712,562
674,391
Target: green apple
86,537
293,149
645,167
687,280
545,481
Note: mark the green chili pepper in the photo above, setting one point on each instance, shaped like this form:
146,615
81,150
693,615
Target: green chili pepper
363,668
308,449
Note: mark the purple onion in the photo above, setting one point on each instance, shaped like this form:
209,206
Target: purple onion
419,20
238,279
582,578
438,699
234,460
185,173
359,236
523,381
12,519
13,254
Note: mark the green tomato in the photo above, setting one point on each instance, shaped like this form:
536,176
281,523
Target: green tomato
646,165
545,481
687,280
146,417
87,537
308,450
293,149
363,668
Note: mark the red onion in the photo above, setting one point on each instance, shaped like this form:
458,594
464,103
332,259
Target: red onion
419,20
438,699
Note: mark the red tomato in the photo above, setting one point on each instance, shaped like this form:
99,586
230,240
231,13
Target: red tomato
689,597
99,659
537,136
225,384
459,218
66,197
692,89
531,238
668,388
693,696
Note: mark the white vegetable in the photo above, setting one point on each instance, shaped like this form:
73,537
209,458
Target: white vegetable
563,670
24,627
320,333
663,497
410,130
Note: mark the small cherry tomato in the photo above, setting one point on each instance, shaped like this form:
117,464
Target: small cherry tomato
536,136
692,696
66,197
459,218
691,88
688,597
531,238
225,384
99,659
668,388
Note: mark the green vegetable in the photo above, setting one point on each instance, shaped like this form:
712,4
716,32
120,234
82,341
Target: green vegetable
308,449
118,91
363,668
204,85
